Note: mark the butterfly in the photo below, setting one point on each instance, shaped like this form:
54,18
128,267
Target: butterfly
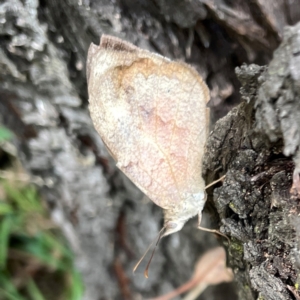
152,115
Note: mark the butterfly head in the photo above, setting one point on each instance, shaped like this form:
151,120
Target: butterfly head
172,226
176,217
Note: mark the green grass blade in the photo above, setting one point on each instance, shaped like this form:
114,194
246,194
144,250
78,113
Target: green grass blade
5,134
8,289
5,228
5,208
8,296
34,291
21,212
26,199
77,286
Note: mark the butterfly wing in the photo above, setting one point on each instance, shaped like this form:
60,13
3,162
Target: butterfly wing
151,113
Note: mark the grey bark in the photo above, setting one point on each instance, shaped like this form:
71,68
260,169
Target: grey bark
105,218
257,145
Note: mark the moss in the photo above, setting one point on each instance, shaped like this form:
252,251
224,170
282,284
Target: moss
232,206
236,246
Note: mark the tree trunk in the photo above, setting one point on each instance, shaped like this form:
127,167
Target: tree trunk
105,218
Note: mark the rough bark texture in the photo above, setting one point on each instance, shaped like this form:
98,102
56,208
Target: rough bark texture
105,218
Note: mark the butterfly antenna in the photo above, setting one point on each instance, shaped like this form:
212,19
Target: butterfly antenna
141,259
149,262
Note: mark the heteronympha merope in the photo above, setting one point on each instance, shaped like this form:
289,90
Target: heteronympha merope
151,114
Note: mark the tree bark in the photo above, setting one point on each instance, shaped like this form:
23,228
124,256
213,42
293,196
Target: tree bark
105,218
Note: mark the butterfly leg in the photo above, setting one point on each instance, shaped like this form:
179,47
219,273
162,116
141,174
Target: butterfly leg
208,229
214,231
